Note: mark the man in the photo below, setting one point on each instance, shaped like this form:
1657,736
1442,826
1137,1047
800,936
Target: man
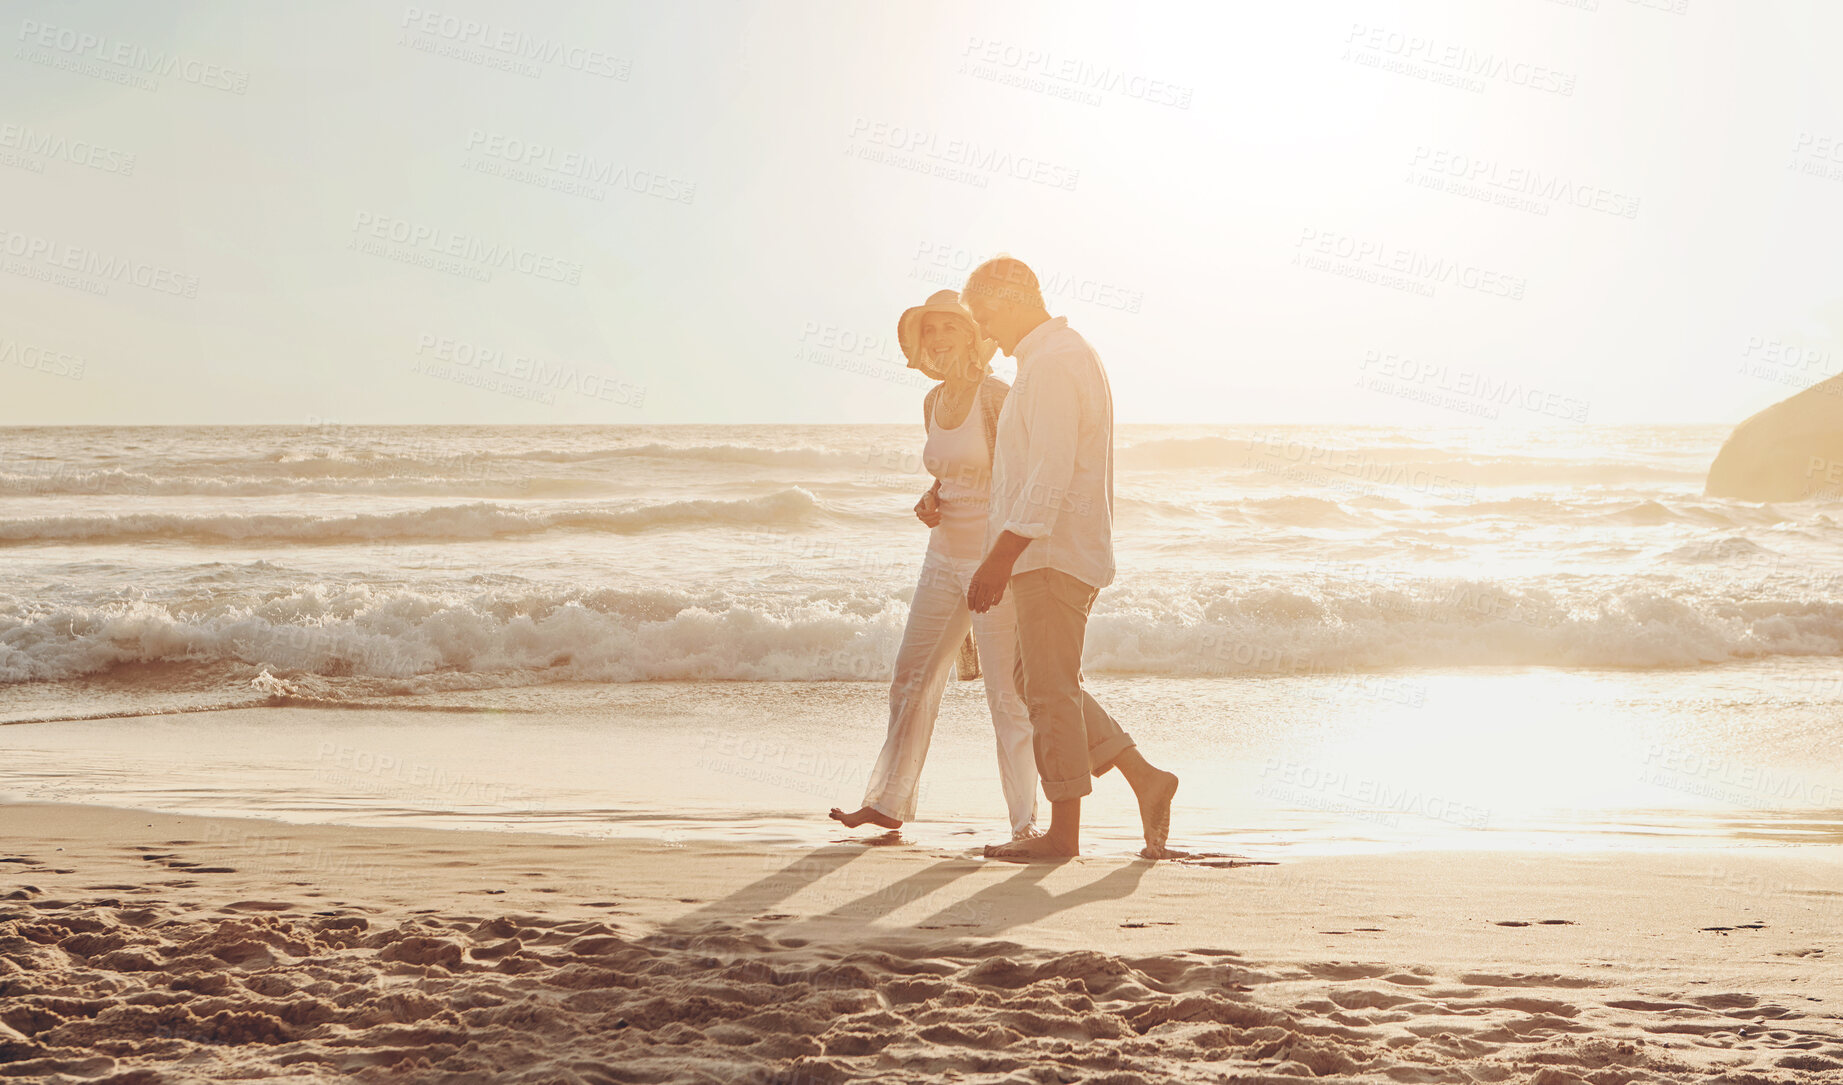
1050,538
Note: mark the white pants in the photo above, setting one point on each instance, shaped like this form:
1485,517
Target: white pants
938,621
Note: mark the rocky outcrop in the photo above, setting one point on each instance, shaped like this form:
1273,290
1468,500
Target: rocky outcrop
1790,451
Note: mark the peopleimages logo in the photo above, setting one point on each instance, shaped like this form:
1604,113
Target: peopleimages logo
81,45
43,359
514,44
1794,364
1283,455
40,144
1065,76
1337,790
373,234
47,259
1817,156
1697,772
461,360
1448,62
1504,184
1315,247
948,265
953,159
555,167
1462,389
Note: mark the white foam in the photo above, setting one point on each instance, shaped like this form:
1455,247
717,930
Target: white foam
428,639
481,520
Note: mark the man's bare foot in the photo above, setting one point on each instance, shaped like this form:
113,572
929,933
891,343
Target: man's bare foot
1155,812
1031,849
865,816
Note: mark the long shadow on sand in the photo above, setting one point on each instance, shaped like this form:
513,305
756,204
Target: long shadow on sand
881,900
1016,901
1022,899
770,890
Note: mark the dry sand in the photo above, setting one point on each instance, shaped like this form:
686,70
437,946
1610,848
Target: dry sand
143,947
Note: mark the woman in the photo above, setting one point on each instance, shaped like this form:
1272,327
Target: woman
961,414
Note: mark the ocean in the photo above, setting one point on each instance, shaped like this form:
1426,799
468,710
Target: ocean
1349,636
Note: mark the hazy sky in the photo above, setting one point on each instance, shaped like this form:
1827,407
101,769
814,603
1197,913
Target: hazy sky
478,212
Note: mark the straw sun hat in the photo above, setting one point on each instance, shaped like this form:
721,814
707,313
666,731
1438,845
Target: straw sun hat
908,331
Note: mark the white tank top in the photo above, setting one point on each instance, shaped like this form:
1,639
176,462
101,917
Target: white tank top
959,458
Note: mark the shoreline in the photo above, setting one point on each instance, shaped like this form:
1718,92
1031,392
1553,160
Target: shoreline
761,761
814,964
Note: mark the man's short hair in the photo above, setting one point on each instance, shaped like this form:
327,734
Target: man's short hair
1006,278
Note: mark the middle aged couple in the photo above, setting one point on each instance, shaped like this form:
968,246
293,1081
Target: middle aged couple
1022,500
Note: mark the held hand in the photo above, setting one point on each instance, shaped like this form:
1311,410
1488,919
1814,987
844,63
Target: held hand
988,585
928,509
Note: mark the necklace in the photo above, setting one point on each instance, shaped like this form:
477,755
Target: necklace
957,405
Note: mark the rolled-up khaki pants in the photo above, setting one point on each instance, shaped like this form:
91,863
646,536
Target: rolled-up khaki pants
1073,736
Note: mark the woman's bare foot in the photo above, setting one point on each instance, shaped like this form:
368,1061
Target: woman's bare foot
865,816
1155,813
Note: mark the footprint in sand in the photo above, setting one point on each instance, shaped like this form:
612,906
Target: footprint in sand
467,988
173,862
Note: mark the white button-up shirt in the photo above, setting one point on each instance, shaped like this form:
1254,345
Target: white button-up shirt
1052,472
